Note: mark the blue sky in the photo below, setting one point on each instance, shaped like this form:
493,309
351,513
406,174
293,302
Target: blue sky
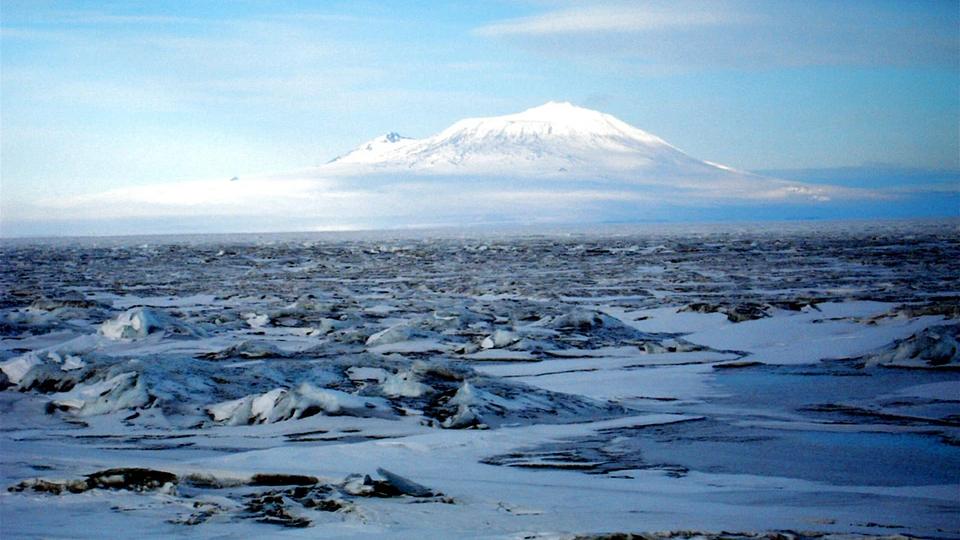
102,94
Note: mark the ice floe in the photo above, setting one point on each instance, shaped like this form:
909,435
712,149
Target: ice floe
544,385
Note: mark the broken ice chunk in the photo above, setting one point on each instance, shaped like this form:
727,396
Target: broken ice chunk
404,384
16,368
499,339
284,404
405,485
393,334
357,373
933,347
247,349
124,391
256,321
136,323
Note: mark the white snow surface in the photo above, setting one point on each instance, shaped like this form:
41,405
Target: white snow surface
548,387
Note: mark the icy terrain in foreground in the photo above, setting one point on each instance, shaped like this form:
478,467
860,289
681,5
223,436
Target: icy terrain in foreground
481,386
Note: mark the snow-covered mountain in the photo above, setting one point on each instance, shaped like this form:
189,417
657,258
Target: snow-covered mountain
556,163
559,141
554,137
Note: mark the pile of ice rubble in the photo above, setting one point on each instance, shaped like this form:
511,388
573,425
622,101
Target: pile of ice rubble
45,314
289,500
936,347
80,377
140,322
77,386
383,371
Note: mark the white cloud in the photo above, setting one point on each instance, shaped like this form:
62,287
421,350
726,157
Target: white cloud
563,197
655,36
312,200
609,19
265,196
304,194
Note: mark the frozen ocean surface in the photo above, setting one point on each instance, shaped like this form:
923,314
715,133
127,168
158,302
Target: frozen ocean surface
486,383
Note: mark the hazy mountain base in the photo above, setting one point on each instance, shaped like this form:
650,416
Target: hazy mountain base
928,203
521,386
